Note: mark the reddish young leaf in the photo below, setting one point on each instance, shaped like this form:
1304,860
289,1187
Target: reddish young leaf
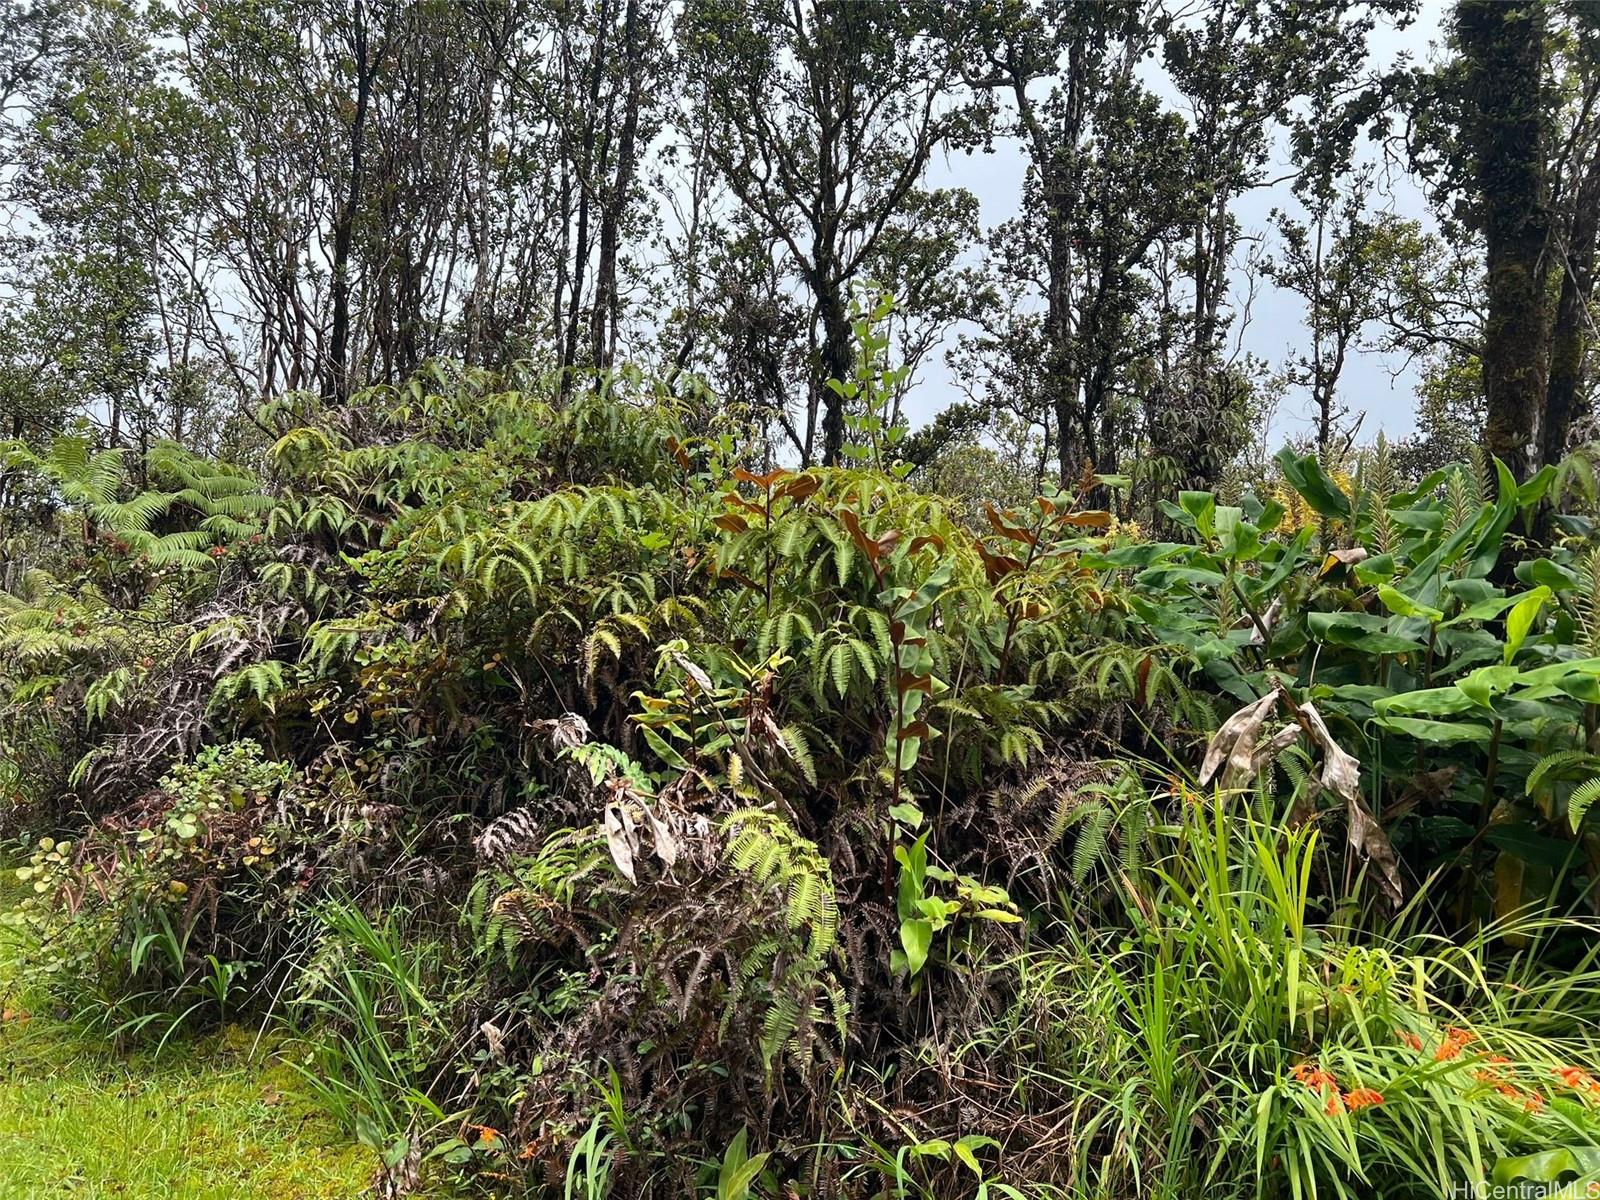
762,481
1007,530
1094,518
863,543
676,449
997,566
801,487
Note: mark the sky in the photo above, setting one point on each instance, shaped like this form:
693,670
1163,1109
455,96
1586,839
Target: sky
1376,384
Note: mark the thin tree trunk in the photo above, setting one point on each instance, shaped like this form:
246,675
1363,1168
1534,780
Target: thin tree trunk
580,258
337,384
603,318
837,359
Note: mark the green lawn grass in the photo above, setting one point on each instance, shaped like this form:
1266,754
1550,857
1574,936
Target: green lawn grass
205,1119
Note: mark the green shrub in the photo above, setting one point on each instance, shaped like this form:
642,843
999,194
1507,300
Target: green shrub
145,923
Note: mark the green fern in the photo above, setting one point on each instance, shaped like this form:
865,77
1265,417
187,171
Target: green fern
1582,799
262,682
769,849
1561,764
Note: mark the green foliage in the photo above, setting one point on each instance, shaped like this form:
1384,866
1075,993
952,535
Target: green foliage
1448,672
1317,1057
777,857
370,994
562,777
135,921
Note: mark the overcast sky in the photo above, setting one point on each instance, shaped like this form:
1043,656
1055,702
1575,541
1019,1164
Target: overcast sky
1373,383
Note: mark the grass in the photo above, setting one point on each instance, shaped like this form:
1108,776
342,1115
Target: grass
206,1119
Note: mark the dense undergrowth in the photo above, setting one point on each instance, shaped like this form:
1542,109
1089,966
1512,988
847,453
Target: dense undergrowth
606,817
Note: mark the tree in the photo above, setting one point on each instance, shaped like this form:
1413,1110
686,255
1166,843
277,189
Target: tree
1103,186
1507,134
103,318
1244,70
390,182
1449,414
920,251
1503,49
1575,209
820,120
1333,262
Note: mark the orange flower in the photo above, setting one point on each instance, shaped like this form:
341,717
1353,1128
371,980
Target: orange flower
1361,1098
1454,1040
1488,1074
1578,1079
1533,1102
488,1135
1335,1104
1409,1038
1314,1077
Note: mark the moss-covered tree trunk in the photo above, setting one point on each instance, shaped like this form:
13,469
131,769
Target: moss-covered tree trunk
1570,338
1503,48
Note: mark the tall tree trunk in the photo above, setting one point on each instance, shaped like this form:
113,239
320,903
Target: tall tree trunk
603,321
1061,367
336,386
1504,48
1569,340
558,338
838,357
1061,376
586,188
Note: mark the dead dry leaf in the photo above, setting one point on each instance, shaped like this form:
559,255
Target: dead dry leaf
1341,774
1343,558
622,840
1235,740
695,672
665,844
1261,630
1237,751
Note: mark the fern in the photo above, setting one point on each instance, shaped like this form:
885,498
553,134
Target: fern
775,856
1582,799
1588,603
1559,764
1094,823
82,476
1095,810
107,692
262,682
794,738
